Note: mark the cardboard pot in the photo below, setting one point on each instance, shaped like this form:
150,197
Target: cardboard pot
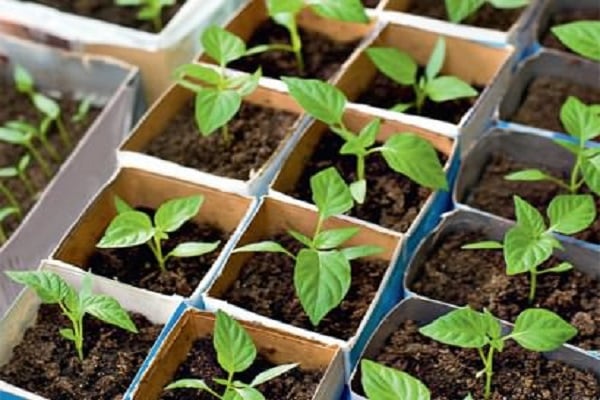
113,86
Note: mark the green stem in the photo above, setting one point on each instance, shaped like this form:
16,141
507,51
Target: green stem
79,337
360,167
50,149
157,23
319,226
532,285
27,183
489,371
2,235
297,46
157,250
11,199
226,135
40,160
575,174
64,134
421,97
229,383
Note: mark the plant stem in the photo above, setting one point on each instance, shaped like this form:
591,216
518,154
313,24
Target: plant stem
226,135
157,250
297,46
532,285
64,134
575,174
40,160
360,167
27,183
79,337
420,100
11,199
319,226
2,235
50,149
489,371
157,23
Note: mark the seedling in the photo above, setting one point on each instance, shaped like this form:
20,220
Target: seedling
6,212
150,10
48,107
285,12
582,123
582,37
235,353
322,272
405,153
530,242
12,133
133,228
20,171
383,383
458,10
52,289
10,197
39,133
83,110
404,70
535,329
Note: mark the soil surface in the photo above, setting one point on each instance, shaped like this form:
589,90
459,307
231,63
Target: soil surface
256,132
202,363
392,201
16,106
486,17
544,98
323,57
549,40
385,93
478,278
107,10
495,194
266,287
47,364
371,3
449,372
137,266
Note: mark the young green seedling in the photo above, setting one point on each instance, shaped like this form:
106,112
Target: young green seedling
459,10
322,272
582,37
133,228
405,153
40,134
582,123
535,329
402,69
48,107
20,171
285,12
384,383
83,110
52,289
235,353
10,133
530,242
6,212
150,10
10,197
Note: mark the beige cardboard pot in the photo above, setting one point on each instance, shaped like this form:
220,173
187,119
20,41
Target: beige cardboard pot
277,346
142,188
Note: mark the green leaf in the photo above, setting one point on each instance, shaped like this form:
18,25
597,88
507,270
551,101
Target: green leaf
333,238
458,10
46,105
197,384
82,110
528,217
581,36
447,88
368,134
358,190
275,7
352,253
401,107
416,158
49,286
249,83
492,325
352,146
541,330
570,214
193,249
305,240
330,193
395,64
235,349
108,309
24,163
23,79
524,252
341,10
221,45
7,212
579,120
272,373
68,334
172,214
436,60
485,245
198,72
266,247
528,175
383,383
321,100
8,172
13,136
244,393
464,327
128,229
590,168
507,4
562,267
215,109
322,280
121,205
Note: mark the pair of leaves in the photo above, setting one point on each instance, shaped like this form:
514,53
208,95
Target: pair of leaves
458,10
25,84
236,352
535,329
403,69
582,37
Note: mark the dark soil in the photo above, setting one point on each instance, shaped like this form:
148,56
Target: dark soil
137,266
486,17
323,56
478,278
449,372
16,106
202,363
371,3
107,10
549,40
47,364
256,132
392,201
385,93
266,287
544,98
495,194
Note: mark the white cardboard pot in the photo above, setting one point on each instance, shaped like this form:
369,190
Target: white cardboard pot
114,86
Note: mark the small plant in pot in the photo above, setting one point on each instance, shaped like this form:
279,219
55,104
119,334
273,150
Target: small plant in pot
149,10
